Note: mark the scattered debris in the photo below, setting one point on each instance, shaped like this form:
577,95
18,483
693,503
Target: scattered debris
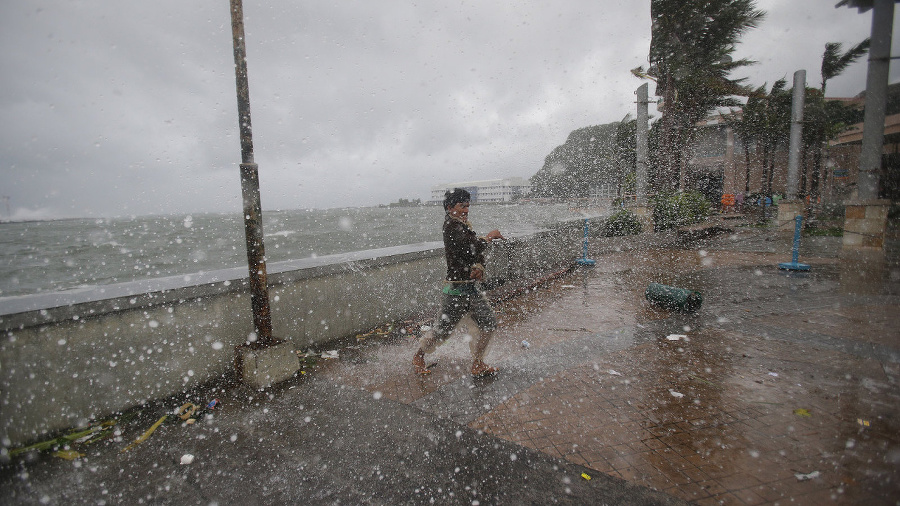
586,476
87,435
68,445
68,454
676,337
864,423
773,374
526,344
673,298
186,411
186,459
677,395
330,354
146,434
807,476
614,372
802,412
308,357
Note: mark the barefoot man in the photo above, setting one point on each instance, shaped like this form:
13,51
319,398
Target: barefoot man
465,267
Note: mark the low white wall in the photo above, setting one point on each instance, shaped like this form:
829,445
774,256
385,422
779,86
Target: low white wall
69,357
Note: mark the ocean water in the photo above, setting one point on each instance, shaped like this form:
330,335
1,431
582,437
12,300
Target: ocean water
48,256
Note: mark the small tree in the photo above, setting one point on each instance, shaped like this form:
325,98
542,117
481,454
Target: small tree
621,223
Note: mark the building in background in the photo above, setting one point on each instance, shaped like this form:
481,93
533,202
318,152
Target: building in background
719,163
487,191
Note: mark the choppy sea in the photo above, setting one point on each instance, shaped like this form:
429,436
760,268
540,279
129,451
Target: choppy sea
48,256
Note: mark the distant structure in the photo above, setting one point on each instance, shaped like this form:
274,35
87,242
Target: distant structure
405,203
487,191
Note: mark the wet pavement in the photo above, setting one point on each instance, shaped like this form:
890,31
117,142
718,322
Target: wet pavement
782,388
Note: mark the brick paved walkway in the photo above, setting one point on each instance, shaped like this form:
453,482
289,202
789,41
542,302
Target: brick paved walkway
783,390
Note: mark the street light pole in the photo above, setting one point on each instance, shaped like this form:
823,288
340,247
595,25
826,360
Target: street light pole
797,103
640,184
256,252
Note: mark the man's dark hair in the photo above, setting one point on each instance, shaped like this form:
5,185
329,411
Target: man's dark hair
457,196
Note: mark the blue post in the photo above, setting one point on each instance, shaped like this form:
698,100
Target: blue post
584,260
794,265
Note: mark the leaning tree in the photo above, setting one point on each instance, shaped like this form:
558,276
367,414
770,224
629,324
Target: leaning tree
691,61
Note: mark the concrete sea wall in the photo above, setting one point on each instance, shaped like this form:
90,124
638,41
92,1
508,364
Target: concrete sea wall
69,357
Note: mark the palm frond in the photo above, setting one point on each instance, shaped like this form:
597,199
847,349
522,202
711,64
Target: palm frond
835,62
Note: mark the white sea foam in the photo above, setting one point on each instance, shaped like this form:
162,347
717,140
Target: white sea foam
74,254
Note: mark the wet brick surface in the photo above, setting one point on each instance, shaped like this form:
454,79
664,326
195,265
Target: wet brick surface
784,390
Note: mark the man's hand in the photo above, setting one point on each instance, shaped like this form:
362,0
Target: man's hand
494,235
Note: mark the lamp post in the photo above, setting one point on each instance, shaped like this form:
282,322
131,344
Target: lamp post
797,102
253,230
640,185
260,361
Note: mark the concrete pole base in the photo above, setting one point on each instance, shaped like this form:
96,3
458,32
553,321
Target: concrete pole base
644,215
864,224
787,212
261,368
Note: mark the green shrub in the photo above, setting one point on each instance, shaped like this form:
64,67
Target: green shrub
823,232
622,223
679,209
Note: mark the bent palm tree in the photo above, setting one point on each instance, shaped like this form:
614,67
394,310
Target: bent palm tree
691,61
834,63
829,124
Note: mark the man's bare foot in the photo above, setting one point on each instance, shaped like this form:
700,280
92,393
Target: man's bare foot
418,363
480,369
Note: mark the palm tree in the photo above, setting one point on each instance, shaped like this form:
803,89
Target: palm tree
826,115
765,121
745,122
691,60
834,63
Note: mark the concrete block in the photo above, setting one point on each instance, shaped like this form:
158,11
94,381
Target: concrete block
787,211
852,240
264,367
854,212
877,213
864,224
853,225
873,242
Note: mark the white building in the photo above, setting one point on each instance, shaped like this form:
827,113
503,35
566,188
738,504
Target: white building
490,190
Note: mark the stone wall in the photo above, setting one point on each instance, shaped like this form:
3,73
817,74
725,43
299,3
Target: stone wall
69,357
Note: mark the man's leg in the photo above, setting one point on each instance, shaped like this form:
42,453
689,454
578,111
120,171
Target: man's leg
453,309
484,317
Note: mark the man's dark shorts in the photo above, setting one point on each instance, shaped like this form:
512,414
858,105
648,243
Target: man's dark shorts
462,299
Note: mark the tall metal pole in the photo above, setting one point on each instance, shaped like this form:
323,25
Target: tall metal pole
256,252
641,142
876,98
797,101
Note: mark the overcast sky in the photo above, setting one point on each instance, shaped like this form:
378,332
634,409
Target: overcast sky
129,108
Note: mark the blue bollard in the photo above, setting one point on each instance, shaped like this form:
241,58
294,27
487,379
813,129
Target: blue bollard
584,260
794,265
